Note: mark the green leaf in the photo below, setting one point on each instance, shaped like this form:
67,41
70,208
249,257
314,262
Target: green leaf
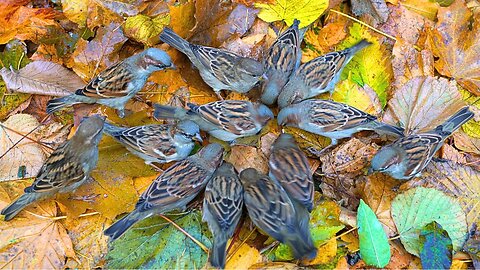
369,66
417,207
14,55
143,28
436,251
155,243
306,11
374,247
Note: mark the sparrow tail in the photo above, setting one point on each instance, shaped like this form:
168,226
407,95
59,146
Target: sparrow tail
112,130
118,228
174,40
59,103
217,257
454,122
169,112
382,128
303,248
14,208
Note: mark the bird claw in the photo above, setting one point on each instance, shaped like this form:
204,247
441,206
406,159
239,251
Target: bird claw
219,95
320,153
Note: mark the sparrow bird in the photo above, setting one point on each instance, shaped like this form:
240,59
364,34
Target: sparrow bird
222,209
317,76
220,69
67,168
114,86
408,156
172,189
157,143
270,209
282,59
225,120
289,166
332,119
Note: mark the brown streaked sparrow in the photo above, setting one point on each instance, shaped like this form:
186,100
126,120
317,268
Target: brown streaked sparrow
317,76
270,209
332,119
222,209
114,86
67,168
220,69
225,120
406,157
172,189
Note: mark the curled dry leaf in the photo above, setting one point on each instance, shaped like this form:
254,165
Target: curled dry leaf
455,43
409,63
423,103
32,240
457,180
42,78
18,152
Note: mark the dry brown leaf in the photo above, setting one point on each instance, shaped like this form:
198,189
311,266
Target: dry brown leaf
33,239
377,9
404,24
455,43
409,63
182,17
378,194
244,157
457,180
42,78
466,143
89,242
450,153
274,266
423,103
92,57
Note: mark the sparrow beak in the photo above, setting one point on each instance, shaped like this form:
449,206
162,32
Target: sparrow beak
370,171
264,77
198,138
172,66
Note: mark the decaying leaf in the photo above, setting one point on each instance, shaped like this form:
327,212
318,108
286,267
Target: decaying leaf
33,239
457,180
306,11
455,43
377,9
423,103
244,157
42,78
417,207
404,24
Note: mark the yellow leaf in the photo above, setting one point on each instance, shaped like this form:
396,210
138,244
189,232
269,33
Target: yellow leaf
325,253
244,258
76,11
426,8
143,28
364,99
307,11
182,18
472,127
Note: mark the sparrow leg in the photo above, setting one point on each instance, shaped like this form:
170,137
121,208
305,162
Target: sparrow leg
158,169
323,151
219,94
121,113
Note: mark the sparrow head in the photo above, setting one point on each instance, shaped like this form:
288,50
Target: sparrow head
384,159
155,59
90,130
264,114
212,153
250,70
249,176
186,131
284,140
288,117
227,168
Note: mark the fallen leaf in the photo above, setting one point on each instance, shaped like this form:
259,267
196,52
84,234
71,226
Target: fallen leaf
457,180
466,143
18,152
244,258
92,57
404,24
454,42
378,194
417,207
436,251
325,253
306,11
33,239
472,127
244,157
145,29
182,17
42,78
426,8
376,8
423,103
274,266
363,98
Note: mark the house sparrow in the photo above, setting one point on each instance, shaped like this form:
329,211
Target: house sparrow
332,119
225,120
114,86
317,76
408,156
282,59
270,209
172,189
220,69
222,209
67,168
157,143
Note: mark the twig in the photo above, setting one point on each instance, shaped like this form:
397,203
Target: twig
61,217
26,137
202,246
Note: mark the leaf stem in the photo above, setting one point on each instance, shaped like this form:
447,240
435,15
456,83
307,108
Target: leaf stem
202,246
